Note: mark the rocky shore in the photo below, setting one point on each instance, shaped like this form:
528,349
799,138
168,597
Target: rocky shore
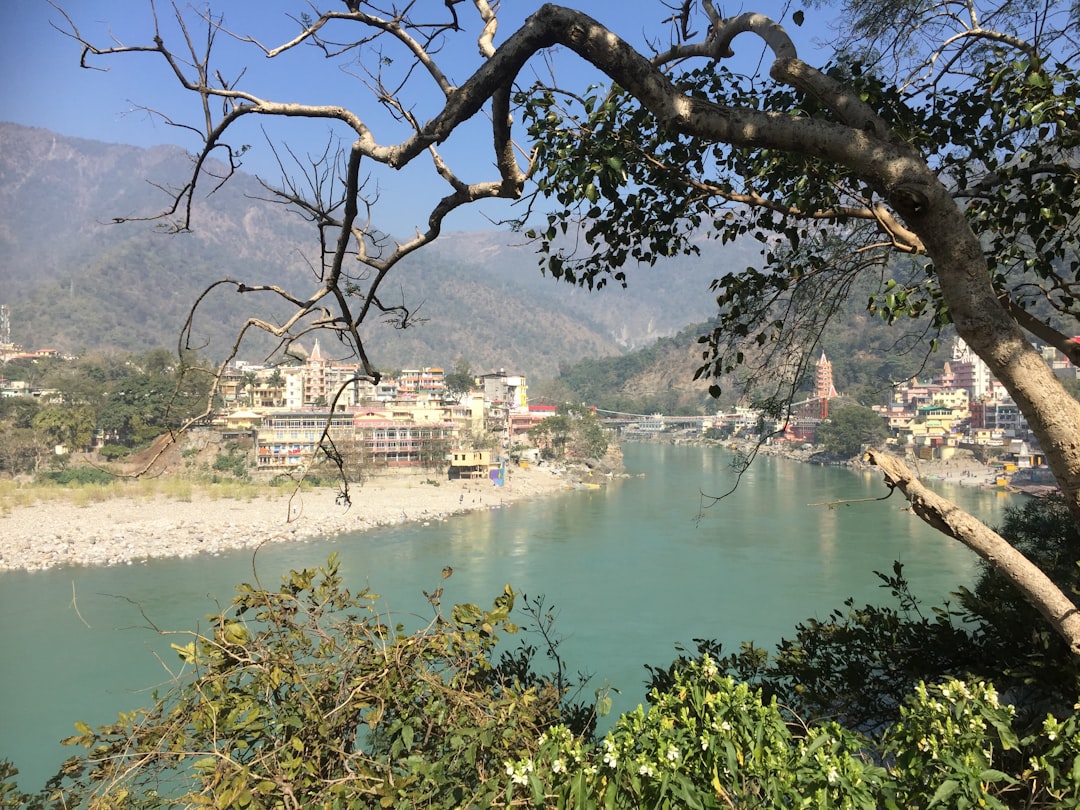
124,530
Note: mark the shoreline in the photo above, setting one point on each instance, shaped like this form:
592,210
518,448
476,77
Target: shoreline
963,469
127,529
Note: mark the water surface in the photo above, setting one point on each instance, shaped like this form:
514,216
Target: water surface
632,569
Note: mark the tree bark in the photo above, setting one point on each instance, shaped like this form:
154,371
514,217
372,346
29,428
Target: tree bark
950,520
857,139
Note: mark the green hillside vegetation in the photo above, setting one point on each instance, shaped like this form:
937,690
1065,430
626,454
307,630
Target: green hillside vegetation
868,359
655,379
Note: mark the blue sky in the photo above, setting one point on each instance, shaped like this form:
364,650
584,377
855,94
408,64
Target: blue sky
45,87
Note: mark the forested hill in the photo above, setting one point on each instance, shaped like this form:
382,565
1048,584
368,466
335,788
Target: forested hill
76,281
867,357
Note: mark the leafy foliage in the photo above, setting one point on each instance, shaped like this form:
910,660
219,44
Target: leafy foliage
858,665
303,696
1003,136
849,429
573,432
707,741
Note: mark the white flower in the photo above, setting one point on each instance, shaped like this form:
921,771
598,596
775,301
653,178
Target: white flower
704,743
610,759
519,773
833,776
646,770
558,766
708,668
672,754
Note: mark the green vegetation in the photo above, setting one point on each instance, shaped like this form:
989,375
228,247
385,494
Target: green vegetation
307,691
858,665
130,399
235,460
849,429
461,379
573,432
79,476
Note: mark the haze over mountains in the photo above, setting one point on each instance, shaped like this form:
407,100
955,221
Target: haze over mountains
75,281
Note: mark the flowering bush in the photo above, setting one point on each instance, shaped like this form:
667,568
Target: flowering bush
710,742
305,693
705,742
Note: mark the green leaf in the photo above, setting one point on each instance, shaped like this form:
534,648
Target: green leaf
603,706
944,791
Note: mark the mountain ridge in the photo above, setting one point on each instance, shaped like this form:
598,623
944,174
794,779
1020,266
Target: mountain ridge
76,281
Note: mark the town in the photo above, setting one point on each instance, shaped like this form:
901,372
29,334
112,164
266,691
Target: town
424,417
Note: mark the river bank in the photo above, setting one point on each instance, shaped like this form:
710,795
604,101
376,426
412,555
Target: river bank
128,529
962,468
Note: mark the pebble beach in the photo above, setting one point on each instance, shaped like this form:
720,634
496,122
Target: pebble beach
124,530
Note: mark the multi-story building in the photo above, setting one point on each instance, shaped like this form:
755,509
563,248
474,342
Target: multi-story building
506,390
970,372
424,381
1003,416
955,399
290,439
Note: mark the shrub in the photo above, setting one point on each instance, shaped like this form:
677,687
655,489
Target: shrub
306,691
79,476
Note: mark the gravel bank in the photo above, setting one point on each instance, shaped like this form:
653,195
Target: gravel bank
124,530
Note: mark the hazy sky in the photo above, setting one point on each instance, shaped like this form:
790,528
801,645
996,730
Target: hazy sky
45,87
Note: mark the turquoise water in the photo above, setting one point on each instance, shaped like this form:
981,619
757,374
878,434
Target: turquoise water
631,570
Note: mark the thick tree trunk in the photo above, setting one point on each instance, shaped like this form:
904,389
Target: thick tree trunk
862,143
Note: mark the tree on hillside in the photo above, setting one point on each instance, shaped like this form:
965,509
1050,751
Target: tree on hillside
573,432
68,425
22,448
949,142
461,380
849,429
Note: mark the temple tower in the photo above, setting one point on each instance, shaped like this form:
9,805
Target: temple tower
824,390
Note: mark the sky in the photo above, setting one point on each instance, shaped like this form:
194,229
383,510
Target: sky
45,87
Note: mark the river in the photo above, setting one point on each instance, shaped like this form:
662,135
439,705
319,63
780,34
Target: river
632,570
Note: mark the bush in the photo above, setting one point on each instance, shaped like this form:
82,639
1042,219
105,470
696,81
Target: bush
79,476
306,690
111,452
708,741
232,460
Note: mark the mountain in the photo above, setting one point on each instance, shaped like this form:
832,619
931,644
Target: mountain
76,280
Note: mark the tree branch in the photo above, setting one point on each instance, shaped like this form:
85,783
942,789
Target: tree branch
952,521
